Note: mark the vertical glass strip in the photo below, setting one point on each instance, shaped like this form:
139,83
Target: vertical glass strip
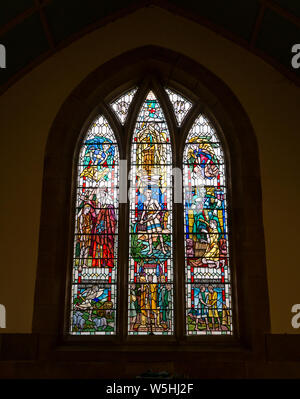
94,276
150,290
207,270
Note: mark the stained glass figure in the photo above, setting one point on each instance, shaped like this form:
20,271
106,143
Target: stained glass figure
208,288
180,104
94,277
150,291
121,105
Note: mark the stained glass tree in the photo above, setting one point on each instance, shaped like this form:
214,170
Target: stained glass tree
94,277
150,291
208,288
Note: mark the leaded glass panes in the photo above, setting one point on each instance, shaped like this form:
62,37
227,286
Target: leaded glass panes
121,105
180,104
208,288
94,277
150,287
150,291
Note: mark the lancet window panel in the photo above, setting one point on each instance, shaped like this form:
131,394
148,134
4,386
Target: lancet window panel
151,305
150,291
207,266
95,253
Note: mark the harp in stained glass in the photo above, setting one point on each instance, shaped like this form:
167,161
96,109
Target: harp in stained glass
150,290
94,275
181,105
207,270
121,105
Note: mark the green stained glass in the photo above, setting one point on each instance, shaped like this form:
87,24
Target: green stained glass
207,270
150,289
94,275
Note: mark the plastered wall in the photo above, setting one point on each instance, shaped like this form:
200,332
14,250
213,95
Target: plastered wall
29,107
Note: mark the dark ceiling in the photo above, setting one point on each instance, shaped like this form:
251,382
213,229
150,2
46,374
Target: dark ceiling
32,30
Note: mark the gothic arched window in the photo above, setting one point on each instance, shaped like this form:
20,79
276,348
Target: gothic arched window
151,308
126,258
150,213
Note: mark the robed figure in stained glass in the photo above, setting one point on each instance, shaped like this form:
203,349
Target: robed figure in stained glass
85,227
150,263
206,236
98,159
94,264
151,217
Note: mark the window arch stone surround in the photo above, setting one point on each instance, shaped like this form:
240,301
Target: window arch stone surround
211,97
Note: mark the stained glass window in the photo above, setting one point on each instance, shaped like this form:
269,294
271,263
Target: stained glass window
208,289
121,105
180,104
94,276
150,290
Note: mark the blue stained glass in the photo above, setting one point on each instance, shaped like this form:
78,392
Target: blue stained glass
150,290
207,269
94,274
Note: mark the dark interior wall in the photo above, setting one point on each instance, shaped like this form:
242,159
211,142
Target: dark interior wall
28,108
